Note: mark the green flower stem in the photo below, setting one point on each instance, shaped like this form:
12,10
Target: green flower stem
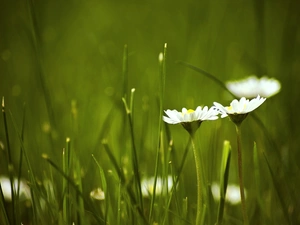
240,171
198,171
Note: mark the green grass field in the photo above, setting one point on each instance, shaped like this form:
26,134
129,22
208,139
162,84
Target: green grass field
83,94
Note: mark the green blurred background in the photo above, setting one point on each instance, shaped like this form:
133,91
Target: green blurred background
64,58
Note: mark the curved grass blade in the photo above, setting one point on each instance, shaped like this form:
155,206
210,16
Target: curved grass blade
36,42
210,76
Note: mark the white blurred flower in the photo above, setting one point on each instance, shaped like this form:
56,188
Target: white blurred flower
97,194
162,185
232,195
252,86
24,193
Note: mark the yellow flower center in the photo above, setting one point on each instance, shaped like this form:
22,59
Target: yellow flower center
189,111
229,108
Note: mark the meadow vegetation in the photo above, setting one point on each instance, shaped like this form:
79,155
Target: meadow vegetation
85,86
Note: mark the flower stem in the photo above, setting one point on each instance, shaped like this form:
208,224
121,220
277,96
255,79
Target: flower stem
240,171
198,172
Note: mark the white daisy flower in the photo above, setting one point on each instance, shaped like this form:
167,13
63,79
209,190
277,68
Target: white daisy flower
162,185
190,115
242,106
189,118
232,193
239,109
252,86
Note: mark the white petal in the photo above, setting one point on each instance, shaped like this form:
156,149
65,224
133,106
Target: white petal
170,121
221,109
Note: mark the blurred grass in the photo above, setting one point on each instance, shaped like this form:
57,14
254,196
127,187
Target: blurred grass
80,54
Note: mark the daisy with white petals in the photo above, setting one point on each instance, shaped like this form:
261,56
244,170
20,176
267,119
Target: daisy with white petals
239,109
189,118
252,86
191,121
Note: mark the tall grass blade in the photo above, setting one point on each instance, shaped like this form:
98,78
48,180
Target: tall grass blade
203,213
114,161
164,71
35,203
134,157
10,164
21,154
3,214
224,174
79,200
119,204
104,188
36,41
66,189
125,71
157,158
162,76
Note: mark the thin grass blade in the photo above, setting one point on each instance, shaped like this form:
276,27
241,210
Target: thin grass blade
10,164
134,157
224,174
104,188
